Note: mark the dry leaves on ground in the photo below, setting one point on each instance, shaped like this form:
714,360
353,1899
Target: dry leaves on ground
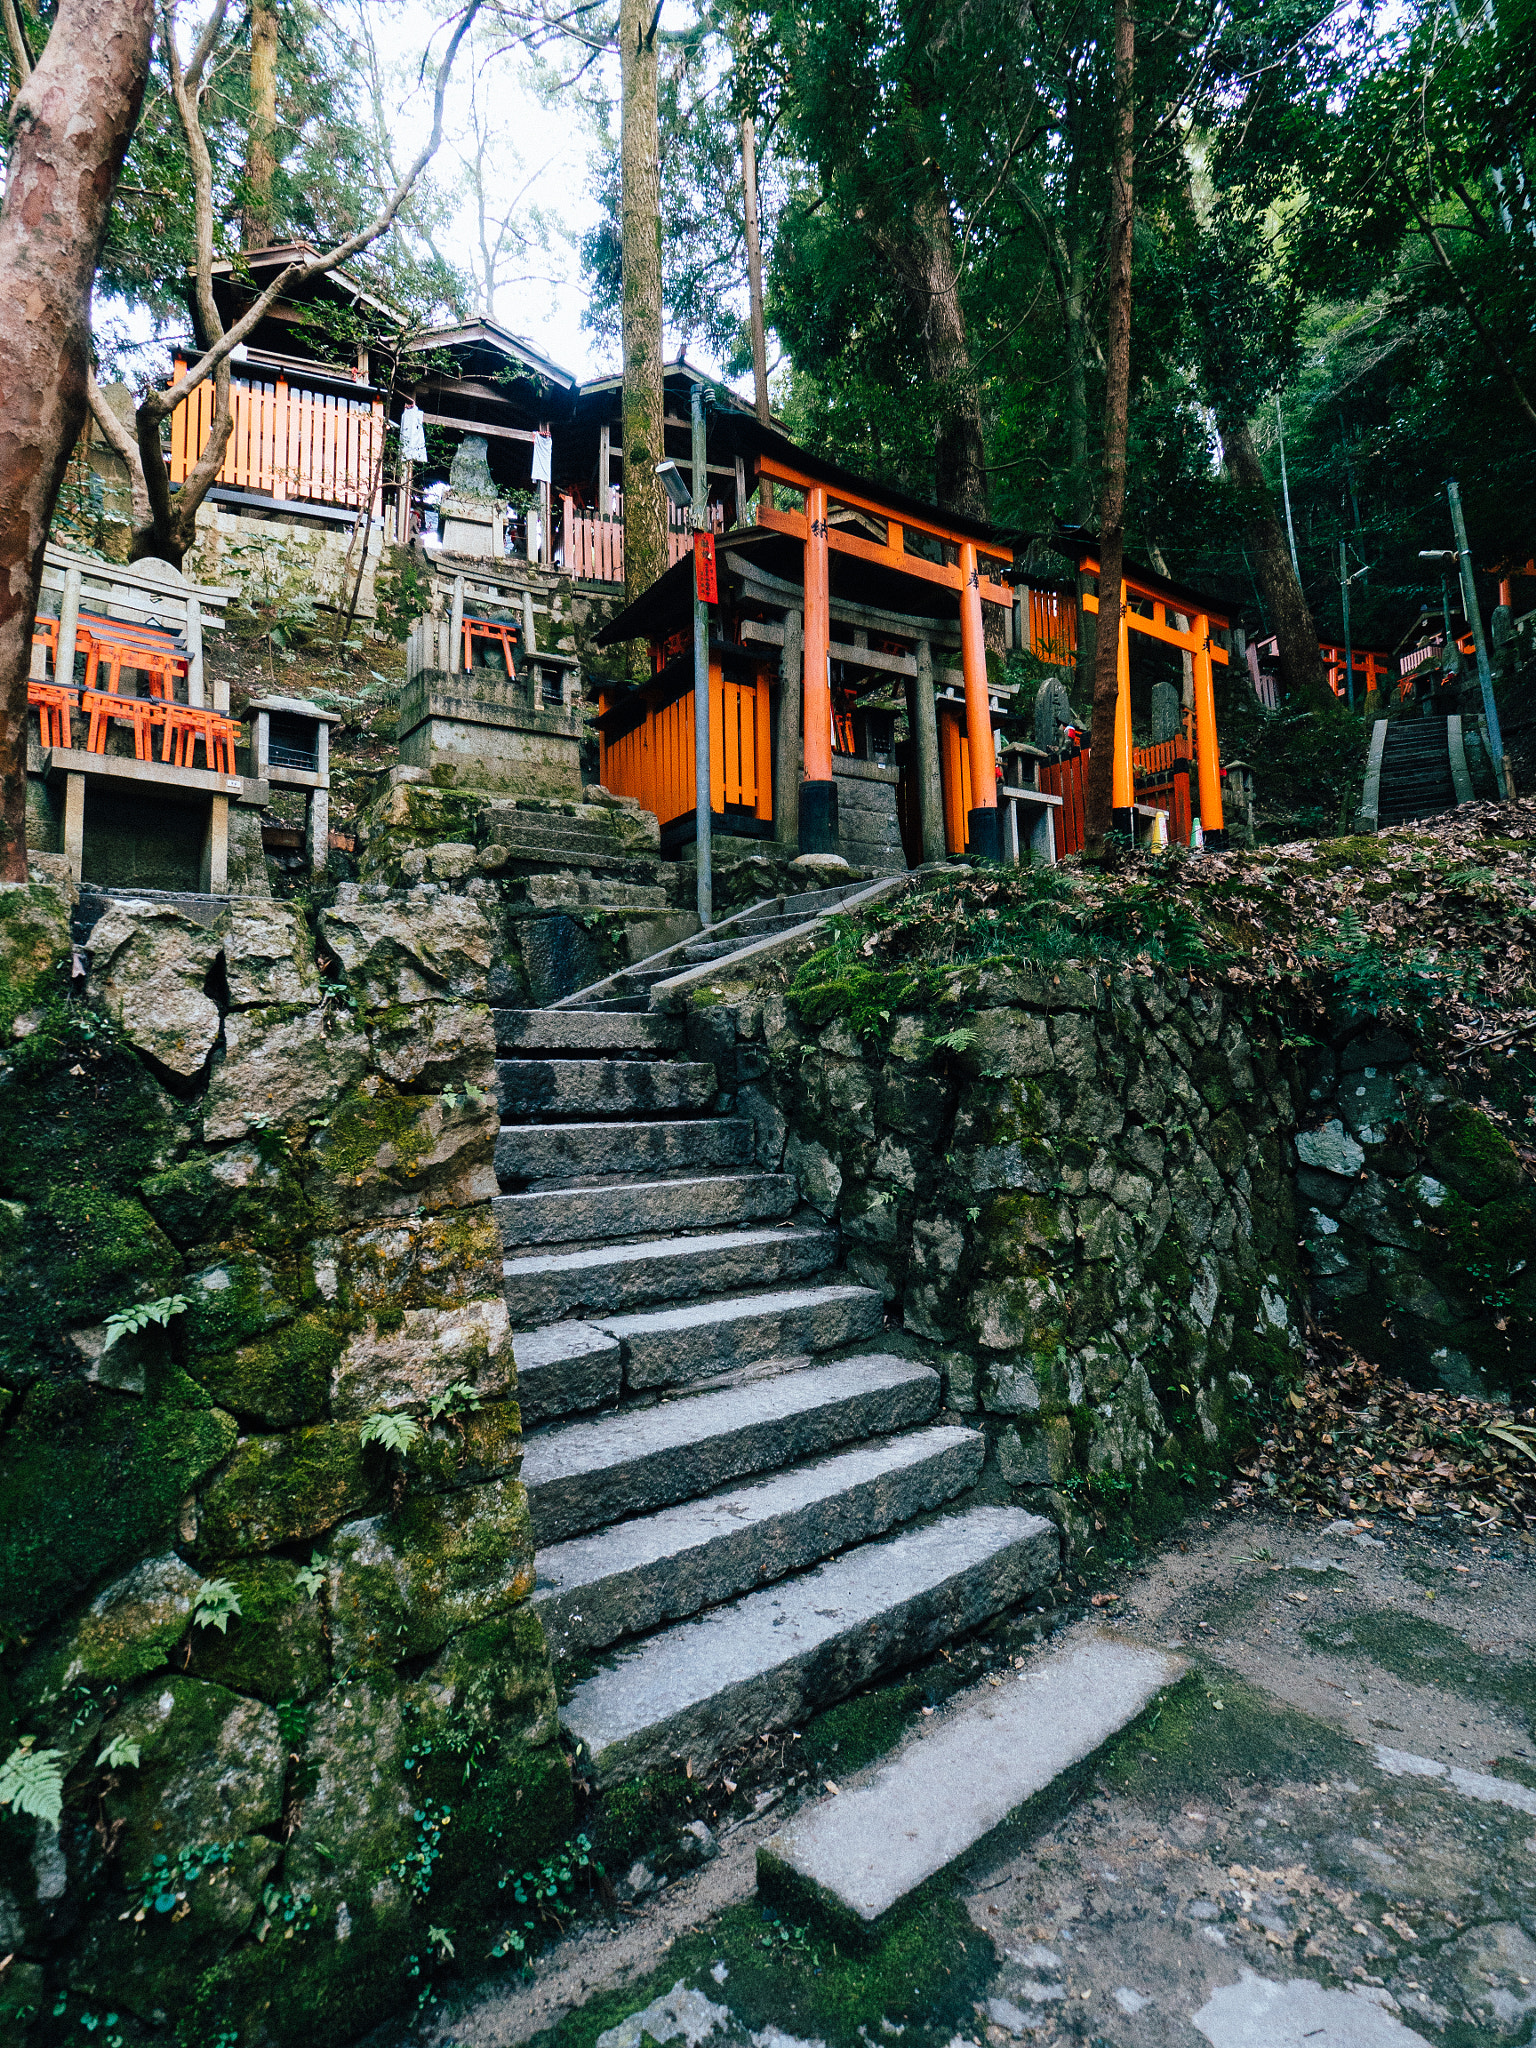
1355,1440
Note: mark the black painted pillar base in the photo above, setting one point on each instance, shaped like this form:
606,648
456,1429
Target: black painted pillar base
985,834
1123,819
1216,839
818,817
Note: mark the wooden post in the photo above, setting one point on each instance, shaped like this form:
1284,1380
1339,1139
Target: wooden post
195,661
456,628
604,471
818,795
786,781
546,517
930,781
1212,818
215,874
741,492
983,835
1123,787
69,620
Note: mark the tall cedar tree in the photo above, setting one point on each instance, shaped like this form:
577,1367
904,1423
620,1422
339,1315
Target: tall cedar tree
71,124
645,513
1117,398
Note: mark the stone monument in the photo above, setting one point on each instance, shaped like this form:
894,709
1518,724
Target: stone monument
470,514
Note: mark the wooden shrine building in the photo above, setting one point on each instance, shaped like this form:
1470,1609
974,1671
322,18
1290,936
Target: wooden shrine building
845,604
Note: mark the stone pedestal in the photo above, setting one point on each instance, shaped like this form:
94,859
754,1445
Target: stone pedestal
480,730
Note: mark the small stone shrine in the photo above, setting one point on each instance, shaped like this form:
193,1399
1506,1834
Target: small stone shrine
471,513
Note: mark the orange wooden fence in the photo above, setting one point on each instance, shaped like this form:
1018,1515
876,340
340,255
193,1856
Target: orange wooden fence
1053,626
1162,779
653,761
594,548
286,442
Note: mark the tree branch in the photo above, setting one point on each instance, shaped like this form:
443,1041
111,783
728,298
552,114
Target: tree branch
1480,326
21,56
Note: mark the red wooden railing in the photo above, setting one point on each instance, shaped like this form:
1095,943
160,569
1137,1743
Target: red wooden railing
1162,780
1053,627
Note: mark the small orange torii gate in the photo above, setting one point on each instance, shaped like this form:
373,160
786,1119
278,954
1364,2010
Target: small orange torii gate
962,576
1146,602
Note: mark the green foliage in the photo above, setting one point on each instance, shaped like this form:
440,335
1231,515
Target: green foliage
395,1433
459,1399
545,1892
171,1875
402,595
213,1604
310,1578
138,1315
32,1781
120,1754
1371,978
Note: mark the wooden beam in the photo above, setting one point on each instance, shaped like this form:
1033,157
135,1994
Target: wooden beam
441,419
768,466
1154,631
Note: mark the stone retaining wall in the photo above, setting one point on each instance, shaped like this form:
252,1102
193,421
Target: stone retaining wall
261,1816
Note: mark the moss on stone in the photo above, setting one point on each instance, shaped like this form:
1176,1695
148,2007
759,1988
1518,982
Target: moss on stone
1472,1155
281,1381
91,1480
286,1489
276,1646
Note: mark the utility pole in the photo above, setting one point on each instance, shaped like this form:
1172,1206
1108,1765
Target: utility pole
1349,659
1475,619
1285,489
701,670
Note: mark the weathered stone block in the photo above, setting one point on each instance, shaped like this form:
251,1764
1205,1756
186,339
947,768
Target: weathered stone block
149,968
281,1067
269,957
431,1350
437,949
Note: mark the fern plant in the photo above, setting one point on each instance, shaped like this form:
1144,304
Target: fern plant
32,1781
120,1754
213,1604
459,1399
138,1315
396,1433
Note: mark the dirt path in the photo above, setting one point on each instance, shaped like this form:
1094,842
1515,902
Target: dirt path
1326,1834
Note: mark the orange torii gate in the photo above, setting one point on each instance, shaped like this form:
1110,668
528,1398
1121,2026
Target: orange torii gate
1145,604
963,576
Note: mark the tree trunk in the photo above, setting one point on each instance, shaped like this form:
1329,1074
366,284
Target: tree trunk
754,268
72,122
645,516
923,249
1301,664
1117,395
261,161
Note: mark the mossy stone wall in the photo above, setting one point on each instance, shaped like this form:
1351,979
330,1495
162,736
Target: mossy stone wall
290,1131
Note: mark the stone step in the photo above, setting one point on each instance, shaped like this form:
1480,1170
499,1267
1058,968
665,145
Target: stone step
658,1208
637,1575
620,1276
580,1089
668,1347
568,1152
563,1369
584,1032
704,1687
861,1853
585,1474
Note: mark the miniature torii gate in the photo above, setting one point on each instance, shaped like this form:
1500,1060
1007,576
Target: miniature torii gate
818,792
1159,598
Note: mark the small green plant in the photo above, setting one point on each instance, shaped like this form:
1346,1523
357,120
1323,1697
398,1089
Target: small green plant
164,1886
120,1754
294,1911
292,1723
401,595
441,1938
958,1040
396,1433
552,1885
465,1098
459,1399
310,1578
32,1782
213,1605
138,1315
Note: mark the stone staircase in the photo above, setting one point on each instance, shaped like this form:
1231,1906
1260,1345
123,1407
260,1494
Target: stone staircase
1416,777
744,1504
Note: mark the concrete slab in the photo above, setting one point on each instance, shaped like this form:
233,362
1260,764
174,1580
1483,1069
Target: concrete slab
659,1568
642,1208
1257,2012
766,1661
563,1369
868,1849
627,1276
583,1088
669,1347
565,1152
585,1474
